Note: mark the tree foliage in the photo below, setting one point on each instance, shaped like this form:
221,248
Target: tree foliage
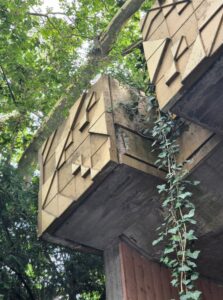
42,56
31,268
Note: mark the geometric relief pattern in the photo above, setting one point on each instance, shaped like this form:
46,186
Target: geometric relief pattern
155,60
97,136
194,30
73,156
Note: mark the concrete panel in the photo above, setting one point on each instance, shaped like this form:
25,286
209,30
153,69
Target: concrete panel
195,31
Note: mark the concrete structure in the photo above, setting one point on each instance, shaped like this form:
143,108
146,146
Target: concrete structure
98,180
98,176
97,141
183,46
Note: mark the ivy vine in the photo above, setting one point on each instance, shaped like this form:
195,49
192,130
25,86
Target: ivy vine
176,231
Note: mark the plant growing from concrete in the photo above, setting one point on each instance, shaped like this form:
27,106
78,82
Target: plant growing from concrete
176,231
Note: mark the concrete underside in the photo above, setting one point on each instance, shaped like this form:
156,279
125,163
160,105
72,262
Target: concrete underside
202,103
126,204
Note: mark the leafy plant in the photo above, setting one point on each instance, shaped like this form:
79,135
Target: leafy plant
31,268
176,231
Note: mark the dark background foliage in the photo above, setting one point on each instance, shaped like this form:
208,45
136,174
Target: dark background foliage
42,54
31,268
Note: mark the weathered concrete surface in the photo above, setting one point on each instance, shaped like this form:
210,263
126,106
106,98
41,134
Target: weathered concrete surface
97,133
183,45
113,274
126,204
121,199
203,102
111,208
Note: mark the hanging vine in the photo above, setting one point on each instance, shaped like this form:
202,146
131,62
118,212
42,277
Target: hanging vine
176,231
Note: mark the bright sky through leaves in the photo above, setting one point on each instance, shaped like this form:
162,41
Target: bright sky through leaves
54,4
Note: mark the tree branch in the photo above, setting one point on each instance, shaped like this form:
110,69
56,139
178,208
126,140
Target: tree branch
97,58
118,21
46,15
23,281
132,47
8,85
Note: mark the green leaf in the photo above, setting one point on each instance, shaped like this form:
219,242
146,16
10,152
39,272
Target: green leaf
190,235
193,254
162,155
168,250
174,282
173,230
184,268
29,271
175,238
191,295
185,195
157,241
191,264
190,214
161,188
194,276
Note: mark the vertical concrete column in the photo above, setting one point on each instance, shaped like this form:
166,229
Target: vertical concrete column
113,272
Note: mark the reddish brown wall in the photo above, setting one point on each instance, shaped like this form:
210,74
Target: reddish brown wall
146,280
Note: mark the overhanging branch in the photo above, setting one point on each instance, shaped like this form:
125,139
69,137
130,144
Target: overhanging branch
46,15
98,57
132,47
8,85
108,37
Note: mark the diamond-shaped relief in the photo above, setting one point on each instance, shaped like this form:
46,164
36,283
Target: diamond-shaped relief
69,140
88,105
49,189
168,7
94,172
196,56
84,169
92,101
70,175
100,126
171,74
47,146
84,122
179,48
211,33
75,168
156,60
181,7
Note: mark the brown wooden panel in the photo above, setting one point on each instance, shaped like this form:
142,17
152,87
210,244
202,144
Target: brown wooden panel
143,279
128,274
165,279
157,281
139,276
148,282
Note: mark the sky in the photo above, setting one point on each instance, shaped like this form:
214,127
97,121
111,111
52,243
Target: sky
50,3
